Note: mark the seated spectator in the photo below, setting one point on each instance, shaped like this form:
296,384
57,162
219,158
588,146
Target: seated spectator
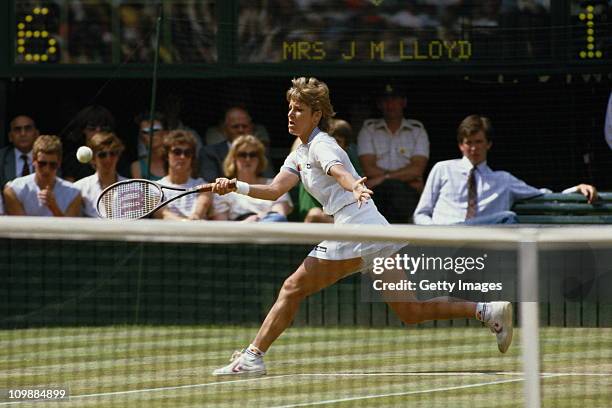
245,162
467,191
16,158
393,152
179,149
309,208
143,121
42,193
236,117
107,149
89,121
237,123
140,167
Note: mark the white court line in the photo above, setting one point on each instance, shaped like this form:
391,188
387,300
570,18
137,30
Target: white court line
396,394
411,374
178,387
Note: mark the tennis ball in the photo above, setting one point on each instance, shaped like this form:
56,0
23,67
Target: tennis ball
84,154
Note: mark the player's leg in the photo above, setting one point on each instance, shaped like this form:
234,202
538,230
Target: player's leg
310,277
495,315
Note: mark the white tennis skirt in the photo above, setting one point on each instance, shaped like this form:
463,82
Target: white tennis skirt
338,250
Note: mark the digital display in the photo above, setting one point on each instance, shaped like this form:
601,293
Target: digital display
320,31
114,31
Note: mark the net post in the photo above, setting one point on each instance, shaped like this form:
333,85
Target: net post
529,315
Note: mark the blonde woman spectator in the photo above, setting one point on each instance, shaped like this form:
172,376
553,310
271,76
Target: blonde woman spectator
246,162
179,149
42,193
107,149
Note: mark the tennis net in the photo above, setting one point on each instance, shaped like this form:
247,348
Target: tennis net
140,313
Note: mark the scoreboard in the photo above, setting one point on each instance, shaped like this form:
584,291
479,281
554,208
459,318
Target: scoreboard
334,33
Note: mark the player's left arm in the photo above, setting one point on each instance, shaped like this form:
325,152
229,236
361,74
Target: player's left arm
350,183
587,190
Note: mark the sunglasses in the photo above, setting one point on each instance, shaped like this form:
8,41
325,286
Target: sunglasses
244,155
181,152
19,129
52,164
147,131
105,154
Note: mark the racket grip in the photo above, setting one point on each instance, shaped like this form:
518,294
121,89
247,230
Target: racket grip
208,186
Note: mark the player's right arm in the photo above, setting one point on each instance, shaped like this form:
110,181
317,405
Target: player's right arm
282,183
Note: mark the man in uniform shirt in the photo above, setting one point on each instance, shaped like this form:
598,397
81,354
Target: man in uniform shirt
16,158
467,191
393,152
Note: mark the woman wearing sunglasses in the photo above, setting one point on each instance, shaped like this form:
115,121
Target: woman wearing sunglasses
179,149
246,162
107,149
42,193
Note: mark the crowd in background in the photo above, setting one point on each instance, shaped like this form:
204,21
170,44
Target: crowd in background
40,174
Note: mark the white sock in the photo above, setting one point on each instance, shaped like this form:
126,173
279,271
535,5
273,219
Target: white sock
254,352
481,311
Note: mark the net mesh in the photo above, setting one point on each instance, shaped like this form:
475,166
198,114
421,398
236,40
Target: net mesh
127,320
129,200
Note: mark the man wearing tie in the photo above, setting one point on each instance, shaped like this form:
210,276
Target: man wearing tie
467,191
16,158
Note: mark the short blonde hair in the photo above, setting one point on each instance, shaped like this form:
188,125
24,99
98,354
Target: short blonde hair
229,164
180,136
103,140
47,144
315,94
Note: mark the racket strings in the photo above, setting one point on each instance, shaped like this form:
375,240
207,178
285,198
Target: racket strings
130,200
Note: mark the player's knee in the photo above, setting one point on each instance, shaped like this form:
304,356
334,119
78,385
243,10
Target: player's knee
293,289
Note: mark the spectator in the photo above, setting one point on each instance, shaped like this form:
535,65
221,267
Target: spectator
467,191
107,149
42,193
140,167
393,152
608,126
245,162
310,209
16,158
89,121
237,123
179,148
143,121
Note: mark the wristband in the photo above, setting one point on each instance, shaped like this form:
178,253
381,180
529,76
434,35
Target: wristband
242,187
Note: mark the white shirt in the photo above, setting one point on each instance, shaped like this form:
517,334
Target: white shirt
26,190
393,151
238,204
445,197
90,191
312,161
608,126
185,205
19,162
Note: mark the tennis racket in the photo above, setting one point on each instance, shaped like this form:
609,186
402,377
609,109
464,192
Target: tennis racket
139,198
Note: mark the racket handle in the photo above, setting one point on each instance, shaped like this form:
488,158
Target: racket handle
208,186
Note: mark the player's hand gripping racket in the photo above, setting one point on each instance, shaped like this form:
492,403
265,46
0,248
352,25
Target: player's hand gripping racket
138,198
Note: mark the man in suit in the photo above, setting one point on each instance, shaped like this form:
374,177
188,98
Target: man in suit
16,158
237,122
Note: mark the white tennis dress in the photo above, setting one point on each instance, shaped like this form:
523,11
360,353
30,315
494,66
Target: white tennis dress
311,162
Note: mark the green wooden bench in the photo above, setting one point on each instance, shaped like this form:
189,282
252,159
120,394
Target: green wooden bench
559,208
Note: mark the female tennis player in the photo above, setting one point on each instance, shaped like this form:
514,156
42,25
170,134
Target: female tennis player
329,176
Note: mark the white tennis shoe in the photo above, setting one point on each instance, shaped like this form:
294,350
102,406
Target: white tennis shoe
243,364
498,318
